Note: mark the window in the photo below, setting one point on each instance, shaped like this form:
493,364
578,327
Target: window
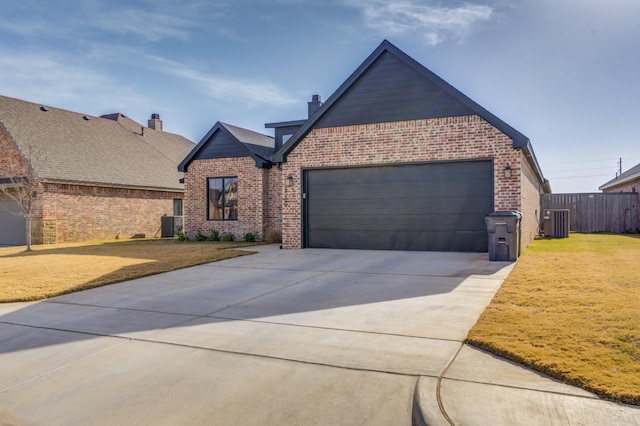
177,207
222,198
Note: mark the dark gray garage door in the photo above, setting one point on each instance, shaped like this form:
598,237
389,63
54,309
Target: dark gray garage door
12,227
431,207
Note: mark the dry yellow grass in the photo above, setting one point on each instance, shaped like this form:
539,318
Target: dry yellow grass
51,270
571,309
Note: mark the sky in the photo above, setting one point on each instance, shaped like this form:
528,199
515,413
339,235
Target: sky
565,73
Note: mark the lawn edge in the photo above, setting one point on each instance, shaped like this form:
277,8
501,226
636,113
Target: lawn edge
551,372
89,287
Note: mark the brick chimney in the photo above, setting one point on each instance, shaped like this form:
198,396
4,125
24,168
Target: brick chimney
155,123
314,105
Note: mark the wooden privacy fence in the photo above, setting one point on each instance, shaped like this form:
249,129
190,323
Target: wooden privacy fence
597,212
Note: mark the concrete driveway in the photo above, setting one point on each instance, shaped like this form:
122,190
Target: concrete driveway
280,337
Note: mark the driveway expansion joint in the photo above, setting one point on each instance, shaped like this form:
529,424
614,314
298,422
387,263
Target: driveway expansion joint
530,389
347,330
278,358
69,364
121,308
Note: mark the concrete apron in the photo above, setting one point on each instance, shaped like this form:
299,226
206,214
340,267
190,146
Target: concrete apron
279,337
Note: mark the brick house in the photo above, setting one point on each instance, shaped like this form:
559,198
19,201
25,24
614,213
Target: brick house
102,177
628,181
396,158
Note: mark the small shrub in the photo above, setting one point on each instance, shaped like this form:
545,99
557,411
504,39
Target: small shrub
214,235
200,236
249,237
180,234
228,237
272,235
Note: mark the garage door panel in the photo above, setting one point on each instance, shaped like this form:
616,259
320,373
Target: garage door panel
399,240
389,223
406,173
388,190
399,207
430,206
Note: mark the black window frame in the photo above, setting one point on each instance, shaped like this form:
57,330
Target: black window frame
225,204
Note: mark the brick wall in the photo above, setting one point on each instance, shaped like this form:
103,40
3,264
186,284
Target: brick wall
631,186
13,165
81,213
530,203
450,138
11,162
272,199
253,191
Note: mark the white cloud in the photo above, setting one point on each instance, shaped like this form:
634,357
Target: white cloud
56,80
149,25
145,20
225,88
412,18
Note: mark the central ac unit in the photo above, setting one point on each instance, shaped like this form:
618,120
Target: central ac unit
556,223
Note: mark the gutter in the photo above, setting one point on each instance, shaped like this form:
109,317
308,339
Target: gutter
527,149
112,185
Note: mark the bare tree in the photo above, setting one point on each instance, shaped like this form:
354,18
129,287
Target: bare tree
24,184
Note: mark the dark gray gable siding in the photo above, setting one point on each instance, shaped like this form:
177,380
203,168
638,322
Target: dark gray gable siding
386,48
440,101
282,131
221,145
284,128
260,151
391,91
219,142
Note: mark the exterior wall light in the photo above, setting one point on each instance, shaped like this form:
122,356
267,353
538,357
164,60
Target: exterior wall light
289,180
507,171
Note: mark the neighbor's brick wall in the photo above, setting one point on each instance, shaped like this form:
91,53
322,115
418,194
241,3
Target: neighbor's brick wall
67,213
530,205
632,186
11,162
82,213
251,182
468,137
12,165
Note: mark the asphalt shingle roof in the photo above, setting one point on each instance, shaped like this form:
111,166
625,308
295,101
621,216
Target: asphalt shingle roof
249,136
258,144
112,150
631,174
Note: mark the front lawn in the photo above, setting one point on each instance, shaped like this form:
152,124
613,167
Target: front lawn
571,309
51,270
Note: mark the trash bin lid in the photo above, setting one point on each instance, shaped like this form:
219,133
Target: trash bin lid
508,213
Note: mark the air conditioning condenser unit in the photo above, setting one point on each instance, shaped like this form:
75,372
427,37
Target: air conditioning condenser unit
555,223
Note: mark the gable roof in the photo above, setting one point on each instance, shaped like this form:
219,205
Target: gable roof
444,89
246,143
103,151
628,176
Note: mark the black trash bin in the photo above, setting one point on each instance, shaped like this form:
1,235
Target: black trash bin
503,232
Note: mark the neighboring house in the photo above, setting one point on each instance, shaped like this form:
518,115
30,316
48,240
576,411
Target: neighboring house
103,177
396,158
628,181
